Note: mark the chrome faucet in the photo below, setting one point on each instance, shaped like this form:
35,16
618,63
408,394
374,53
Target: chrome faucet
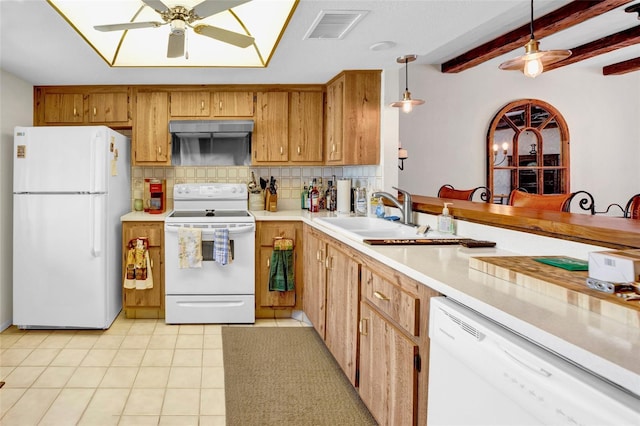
406,208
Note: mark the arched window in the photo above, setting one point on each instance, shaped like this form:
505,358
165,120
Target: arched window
527,148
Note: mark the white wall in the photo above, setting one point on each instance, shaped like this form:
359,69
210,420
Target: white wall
16,109
446,137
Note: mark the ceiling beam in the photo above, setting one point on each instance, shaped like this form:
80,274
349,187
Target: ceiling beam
565,17
622,67
601,46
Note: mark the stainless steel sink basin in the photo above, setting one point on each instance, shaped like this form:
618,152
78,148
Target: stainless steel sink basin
366,228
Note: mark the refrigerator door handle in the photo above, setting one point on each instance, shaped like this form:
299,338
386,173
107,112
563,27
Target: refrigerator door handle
96,238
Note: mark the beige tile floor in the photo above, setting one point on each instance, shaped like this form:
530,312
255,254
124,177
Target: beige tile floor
138,372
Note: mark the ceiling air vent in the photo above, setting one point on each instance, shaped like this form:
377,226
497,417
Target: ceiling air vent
334,24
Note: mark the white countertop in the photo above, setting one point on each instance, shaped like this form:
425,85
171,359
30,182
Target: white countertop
602,345
609,348
144,217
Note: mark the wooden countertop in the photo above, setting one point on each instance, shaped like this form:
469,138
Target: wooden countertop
613,232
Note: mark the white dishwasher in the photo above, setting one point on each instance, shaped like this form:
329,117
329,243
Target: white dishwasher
481,373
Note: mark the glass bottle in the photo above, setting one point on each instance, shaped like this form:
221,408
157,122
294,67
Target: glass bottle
314,206
304,195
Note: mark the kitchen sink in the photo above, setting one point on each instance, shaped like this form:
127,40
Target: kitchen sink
369,228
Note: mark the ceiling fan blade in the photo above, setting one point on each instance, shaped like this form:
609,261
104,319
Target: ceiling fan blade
127,26
211,7
225,36
175,49
156,5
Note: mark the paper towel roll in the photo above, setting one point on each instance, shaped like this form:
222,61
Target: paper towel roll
344,196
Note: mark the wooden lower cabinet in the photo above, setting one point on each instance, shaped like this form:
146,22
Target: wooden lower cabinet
277,304
315,290
388,376
343,294
145,303
333,283
374,321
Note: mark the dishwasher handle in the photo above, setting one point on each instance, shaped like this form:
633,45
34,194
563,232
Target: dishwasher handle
534,369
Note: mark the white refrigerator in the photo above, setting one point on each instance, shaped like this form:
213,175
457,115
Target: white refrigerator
71,185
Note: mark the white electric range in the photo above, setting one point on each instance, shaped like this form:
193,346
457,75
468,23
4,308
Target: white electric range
211,291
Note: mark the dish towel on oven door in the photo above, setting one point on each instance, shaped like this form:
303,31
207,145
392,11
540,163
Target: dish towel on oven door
138,272
281,267
189,248
221,246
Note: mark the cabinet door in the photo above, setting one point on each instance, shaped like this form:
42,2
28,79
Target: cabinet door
63,108
270,137
388,373
272,298
189,104
109,107
314,302
334,117
341,328
153,297
305,126
233,104
151,129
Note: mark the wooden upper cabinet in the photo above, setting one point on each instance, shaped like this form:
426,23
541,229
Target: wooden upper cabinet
353,118
270,136
151,139
334,119
109,107
190,104
233,104
305,126
63,108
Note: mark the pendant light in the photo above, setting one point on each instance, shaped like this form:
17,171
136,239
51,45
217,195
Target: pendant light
407,103
533,61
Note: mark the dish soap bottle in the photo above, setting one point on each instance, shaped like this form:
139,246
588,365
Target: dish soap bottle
445,220
380,208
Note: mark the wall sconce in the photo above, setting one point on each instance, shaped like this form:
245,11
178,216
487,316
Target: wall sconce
505,147
533,61
402,155
407,103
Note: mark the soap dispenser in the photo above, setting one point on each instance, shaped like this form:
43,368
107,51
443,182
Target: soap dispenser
445,220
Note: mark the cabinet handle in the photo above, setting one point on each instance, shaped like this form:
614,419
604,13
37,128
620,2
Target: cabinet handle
95,111
268,262
328,262
159,150
220,105
281,150
318,255
151,262
201,105
299,150
75,112
380,296
364,326
333,147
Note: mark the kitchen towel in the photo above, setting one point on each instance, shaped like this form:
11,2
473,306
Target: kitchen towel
189,248
138,271
281,267
344,196
221,246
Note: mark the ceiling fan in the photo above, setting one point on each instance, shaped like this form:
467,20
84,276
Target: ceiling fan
179,18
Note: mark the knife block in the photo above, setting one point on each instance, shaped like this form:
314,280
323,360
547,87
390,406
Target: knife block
271,202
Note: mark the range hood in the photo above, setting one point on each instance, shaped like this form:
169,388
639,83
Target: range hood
211,142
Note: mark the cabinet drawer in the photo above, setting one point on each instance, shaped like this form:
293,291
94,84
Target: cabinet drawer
268,231
399,305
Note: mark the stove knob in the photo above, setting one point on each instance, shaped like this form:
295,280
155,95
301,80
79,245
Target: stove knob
234,190
187,190
179,189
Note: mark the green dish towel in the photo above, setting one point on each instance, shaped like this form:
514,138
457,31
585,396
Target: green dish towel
281,271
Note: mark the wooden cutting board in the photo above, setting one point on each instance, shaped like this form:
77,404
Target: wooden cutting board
567,286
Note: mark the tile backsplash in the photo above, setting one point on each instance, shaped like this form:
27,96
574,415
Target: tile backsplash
290,179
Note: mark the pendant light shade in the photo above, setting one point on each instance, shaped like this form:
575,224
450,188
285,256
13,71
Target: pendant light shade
533,61
407,103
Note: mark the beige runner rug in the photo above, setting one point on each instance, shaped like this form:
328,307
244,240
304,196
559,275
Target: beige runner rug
286,376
